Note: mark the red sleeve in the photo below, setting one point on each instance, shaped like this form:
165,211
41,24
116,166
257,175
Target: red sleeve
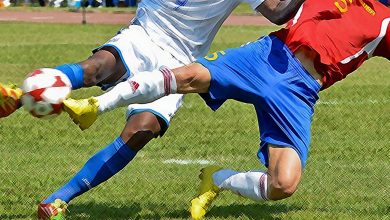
383,49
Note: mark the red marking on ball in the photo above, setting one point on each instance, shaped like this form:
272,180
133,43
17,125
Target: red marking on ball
36,72
36,94
59,82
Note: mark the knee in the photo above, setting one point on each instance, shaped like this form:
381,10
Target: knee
99,66
282,187
90,67
138,133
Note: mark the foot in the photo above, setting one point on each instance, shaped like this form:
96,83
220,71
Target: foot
83,111
52,211
9,99
208,192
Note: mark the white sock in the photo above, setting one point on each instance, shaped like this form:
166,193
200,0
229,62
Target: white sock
142,88
252,184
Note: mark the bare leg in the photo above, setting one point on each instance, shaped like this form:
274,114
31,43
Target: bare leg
140,129
104,66
193,78
279,182
284,172
146,87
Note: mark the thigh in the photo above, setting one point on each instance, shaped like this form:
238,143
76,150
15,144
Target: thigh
285,121
103,67
284,166
136,52
164,108
234,75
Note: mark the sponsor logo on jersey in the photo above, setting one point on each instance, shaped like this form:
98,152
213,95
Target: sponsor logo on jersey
343,6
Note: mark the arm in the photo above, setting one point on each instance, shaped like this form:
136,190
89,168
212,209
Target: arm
279,11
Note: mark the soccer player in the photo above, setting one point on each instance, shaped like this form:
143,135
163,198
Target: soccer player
281,75
164,32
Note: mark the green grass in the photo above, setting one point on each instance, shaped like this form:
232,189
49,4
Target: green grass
347,175
242,9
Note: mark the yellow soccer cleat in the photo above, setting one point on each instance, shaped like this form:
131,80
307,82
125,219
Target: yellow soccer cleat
52,211
9,99
83,112
208,192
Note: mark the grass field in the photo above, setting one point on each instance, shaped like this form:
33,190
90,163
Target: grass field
347,175
242,9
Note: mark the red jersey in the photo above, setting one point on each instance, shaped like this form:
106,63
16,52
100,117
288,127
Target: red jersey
344,33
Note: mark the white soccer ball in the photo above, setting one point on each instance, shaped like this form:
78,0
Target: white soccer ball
44,91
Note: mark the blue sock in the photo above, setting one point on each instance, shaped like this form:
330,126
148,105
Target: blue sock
102,166
75,74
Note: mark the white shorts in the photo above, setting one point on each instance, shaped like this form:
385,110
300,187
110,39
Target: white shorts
139,54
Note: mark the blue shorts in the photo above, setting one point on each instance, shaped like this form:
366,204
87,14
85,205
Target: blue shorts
266,74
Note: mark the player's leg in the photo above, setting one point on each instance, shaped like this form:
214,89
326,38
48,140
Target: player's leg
108,64
284,172
104,66
9,99
284,118
139,130
143,87
144,123
146,87
279,182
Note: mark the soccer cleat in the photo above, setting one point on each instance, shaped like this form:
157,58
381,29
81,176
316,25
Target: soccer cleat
83,111
9,99
208,192
52,211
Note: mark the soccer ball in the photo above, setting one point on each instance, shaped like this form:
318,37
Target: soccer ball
44,91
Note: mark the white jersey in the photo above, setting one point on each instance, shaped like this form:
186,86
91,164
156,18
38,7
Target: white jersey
185,28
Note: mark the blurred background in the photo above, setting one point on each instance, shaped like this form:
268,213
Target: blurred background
69,3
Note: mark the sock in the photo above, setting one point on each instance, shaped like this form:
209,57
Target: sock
74,72
102,166
252,184
142,88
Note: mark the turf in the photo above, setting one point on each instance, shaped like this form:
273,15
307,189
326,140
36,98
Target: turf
347,175
242,9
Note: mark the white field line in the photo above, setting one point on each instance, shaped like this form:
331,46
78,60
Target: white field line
185,162
354,102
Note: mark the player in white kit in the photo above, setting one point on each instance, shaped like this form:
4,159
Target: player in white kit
167,33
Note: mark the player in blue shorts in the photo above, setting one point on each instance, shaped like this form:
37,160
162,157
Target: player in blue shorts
162,33
281,76
264,73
